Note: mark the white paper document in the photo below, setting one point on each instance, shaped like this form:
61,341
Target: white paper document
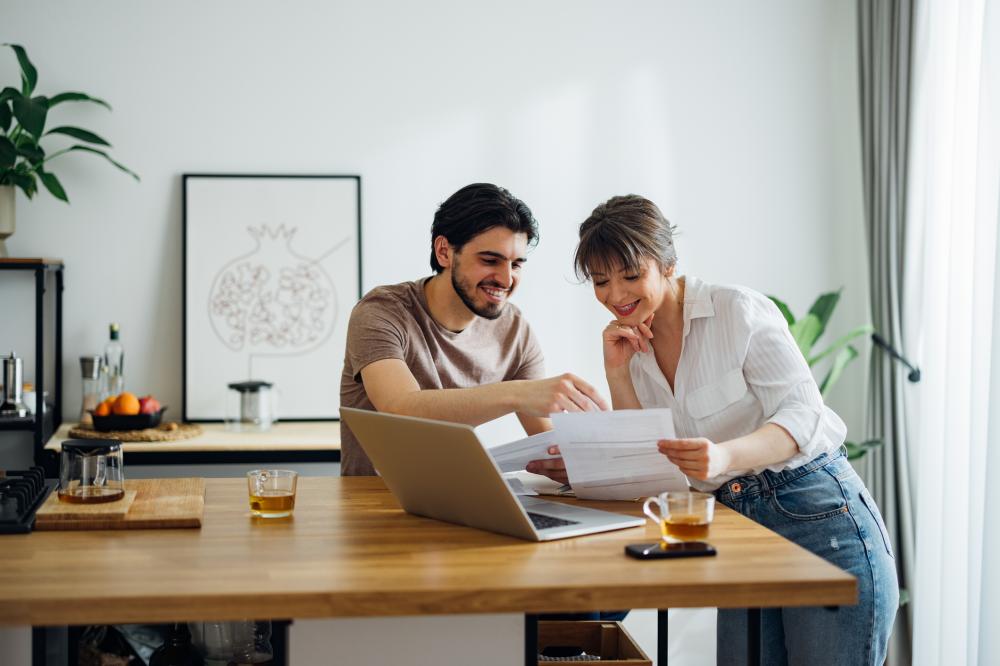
517,485
513,456
613,455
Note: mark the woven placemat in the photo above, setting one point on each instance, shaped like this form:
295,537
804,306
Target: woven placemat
165,432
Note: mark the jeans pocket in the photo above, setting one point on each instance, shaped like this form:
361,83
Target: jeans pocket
815,496
869,503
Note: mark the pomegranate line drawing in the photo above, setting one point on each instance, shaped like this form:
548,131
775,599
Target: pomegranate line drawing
274,300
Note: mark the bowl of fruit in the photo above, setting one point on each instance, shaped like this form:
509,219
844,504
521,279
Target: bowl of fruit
127,412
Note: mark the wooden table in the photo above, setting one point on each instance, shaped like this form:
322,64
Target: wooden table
350,551
289,441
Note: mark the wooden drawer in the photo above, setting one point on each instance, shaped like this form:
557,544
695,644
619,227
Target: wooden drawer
609,640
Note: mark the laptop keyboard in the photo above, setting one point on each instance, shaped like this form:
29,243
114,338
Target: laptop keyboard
542,522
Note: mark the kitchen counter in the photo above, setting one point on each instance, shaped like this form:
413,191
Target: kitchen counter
300,436
285,442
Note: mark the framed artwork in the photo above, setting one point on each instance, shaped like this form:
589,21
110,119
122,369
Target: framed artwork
272,268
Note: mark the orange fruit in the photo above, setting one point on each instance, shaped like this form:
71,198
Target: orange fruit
102,409
126,404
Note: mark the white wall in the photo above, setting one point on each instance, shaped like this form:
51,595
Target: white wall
738,118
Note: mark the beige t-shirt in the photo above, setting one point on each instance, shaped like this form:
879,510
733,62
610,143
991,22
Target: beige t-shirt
394,321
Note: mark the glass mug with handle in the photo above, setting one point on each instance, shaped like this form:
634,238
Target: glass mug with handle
682,516
272,492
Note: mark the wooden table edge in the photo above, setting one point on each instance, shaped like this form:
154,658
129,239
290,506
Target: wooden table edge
318,605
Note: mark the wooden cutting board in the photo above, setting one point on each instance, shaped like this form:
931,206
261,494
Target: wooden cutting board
157,503
55,510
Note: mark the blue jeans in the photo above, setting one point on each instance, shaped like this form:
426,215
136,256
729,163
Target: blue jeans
824,507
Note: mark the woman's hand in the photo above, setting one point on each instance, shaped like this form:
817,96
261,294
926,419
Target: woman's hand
697,457
621,342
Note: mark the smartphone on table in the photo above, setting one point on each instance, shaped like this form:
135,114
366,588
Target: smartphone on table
663,550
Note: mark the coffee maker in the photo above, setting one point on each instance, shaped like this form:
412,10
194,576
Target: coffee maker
12,405
251,406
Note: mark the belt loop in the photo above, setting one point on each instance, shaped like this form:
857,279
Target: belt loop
765,483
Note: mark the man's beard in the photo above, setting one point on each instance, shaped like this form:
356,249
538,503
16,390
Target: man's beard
488,311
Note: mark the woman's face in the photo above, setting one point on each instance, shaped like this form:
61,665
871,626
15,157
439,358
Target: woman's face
631,296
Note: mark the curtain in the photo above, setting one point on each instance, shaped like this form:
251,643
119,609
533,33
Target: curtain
884,40
951,294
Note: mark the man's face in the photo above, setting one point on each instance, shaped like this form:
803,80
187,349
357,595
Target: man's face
487,269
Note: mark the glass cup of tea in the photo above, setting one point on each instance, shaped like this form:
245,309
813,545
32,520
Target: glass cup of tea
682,516
272,492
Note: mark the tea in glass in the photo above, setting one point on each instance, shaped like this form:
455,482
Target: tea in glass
684,527
682,516
272,492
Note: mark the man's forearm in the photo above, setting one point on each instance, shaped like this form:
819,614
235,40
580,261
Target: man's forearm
471,406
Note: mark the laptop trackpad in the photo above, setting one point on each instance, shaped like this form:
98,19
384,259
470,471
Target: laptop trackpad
554,508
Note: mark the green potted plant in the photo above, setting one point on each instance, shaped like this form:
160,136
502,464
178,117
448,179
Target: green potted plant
807,331
23,161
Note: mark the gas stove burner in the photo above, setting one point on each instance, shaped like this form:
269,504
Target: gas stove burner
21,493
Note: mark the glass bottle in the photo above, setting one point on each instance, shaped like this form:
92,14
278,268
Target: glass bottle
259,652
114,360
215,641
176,650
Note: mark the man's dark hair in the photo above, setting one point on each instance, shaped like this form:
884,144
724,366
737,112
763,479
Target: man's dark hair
477,208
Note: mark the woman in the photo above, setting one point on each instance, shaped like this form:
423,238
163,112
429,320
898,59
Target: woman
751,427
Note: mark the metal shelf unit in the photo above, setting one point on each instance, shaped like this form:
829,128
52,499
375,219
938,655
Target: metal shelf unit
42,425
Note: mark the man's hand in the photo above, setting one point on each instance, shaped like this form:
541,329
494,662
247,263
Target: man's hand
565,393
554,468
698,458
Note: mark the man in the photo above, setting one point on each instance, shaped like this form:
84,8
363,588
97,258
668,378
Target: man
450,346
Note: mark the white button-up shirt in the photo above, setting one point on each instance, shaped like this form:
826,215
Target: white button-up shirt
739,369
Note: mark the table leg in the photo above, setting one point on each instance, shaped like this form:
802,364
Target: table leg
73,635
530,640
753,636
279,641
38,651
661,637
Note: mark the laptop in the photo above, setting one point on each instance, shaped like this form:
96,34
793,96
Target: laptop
442,470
